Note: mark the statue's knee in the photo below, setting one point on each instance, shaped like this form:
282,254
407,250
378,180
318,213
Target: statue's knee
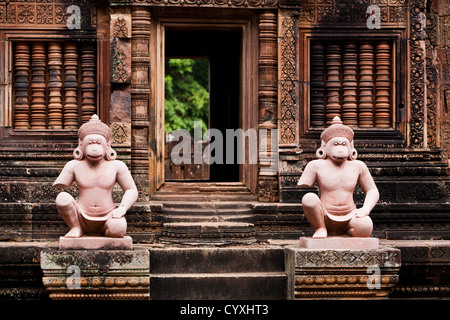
362,227
310,200
116,228
64,199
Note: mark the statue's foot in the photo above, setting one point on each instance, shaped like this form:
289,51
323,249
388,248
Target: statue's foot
75,232
320,233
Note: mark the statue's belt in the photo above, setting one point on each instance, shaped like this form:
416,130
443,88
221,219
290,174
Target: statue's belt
101,216
339,217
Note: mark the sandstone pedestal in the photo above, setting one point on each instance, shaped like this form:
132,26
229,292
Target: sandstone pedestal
339,243
341,273
95,243
96,274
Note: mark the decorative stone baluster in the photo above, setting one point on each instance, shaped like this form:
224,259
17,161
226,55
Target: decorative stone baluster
22,73
317,109
333,84
55,85
382,84
38,65
350,84
366,65
88,107
70,85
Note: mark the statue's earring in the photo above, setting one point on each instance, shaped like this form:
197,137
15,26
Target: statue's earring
321,153
78,153
353,152
111,154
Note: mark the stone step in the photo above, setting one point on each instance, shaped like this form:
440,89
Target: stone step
208,218
203,191
206,205
198,187
217,260
213,232
204,197
226,286
206,211
218,273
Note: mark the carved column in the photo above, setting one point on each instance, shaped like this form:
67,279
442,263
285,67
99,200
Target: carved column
38,65
333,85
55,85
289,80
268,69
140,96
317,109
366,63
268,84
417,74
382,84
88,106
70,85
22,72
349,84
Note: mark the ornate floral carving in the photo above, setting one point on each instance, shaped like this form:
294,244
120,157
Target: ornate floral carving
432,80
119,71
119,133
213,3
26,14
2,13
417,76
44,14
351,12
289,81
120,29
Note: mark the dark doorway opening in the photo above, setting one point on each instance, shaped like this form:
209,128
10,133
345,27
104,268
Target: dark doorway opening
222,48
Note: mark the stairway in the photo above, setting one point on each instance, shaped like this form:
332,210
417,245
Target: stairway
206,213
249,273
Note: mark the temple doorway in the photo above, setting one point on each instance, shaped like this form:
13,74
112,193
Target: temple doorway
202,97
227,47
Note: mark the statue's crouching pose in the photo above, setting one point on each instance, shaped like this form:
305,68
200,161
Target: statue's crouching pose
337,172
95,172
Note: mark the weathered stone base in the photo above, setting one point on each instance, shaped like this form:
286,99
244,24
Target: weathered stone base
341,273
339,243
96,274
95,243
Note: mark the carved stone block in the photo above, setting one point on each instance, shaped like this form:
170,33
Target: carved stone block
341,273
96,274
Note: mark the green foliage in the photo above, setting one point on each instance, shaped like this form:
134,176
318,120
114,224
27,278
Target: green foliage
186,94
